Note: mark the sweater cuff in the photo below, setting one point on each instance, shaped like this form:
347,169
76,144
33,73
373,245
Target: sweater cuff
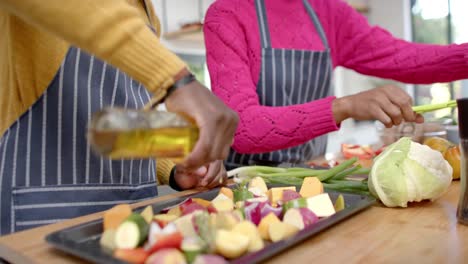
328,123
164,170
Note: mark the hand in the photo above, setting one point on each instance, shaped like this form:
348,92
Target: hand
217,123
206,176
389,104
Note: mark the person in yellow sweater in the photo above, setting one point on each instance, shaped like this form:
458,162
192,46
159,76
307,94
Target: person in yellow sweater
60,62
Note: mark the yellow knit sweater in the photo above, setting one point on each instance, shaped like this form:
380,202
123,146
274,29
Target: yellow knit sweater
36,34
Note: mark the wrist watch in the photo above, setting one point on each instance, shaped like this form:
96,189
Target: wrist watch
188,78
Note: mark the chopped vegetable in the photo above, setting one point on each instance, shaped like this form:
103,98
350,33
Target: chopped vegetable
276,194
297,203
107,240
135,256
267,209
116,215
209,259
148,214
311,186
321,205
223,205
206,230
264,226
242,194
185,225
226,220
257,192
248,229
132,232
300,217
202,202
190,206
289,195
228,192
164,219
175,211
256,200
173,240
231,244
253,213
154,231
258,183
339,203
280,231
165,256
193,247
184,232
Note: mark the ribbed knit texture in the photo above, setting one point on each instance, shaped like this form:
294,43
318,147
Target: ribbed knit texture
37,34
164,168
234,61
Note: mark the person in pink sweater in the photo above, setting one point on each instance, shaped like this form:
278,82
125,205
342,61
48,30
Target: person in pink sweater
272,60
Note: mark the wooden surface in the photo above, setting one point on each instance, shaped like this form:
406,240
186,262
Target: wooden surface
423,233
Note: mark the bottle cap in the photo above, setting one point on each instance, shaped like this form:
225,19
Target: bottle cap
462,105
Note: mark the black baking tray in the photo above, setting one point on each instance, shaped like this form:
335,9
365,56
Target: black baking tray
83,240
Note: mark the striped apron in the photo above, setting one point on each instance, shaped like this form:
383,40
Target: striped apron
290,77
47,171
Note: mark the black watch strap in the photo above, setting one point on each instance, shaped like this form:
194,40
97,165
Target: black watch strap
179,83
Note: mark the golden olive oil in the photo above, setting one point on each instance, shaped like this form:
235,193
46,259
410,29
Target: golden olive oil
131,134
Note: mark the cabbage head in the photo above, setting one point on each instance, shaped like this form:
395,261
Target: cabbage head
409,172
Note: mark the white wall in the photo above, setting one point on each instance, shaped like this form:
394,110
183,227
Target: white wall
180,12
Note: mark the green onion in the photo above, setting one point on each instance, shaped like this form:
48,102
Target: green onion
333,178
432,107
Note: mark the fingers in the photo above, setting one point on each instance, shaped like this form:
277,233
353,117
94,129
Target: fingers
215,176
383,117
216,122
210,176
397,104
201,152
215,140
401,99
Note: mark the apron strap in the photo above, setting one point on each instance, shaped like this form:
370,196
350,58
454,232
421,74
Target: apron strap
317,23
263,23
265,32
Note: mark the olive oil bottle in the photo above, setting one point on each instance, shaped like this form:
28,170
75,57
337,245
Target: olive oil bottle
128,134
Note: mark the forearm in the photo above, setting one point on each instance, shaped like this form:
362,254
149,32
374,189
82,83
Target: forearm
265,129
111,30
374,51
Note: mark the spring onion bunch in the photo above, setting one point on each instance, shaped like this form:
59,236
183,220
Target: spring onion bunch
334,178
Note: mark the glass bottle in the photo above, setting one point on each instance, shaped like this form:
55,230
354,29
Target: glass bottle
128,134
462,211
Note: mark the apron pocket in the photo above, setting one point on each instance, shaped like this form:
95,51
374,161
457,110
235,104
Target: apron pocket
36,206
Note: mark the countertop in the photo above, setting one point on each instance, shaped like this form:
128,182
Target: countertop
425,232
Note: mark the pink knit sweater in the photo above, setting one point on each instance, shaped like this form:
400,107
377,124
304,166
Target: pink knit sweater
233,57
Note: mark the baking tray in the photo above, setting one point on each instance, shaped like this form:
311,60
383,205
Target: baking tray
83,240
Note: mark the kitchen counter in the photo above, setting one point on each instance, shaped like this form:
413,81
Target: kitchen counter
423,233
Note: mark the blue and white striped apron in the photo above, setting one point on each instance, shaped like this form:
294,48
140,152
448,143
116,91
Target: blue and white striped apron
290,77
47,171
